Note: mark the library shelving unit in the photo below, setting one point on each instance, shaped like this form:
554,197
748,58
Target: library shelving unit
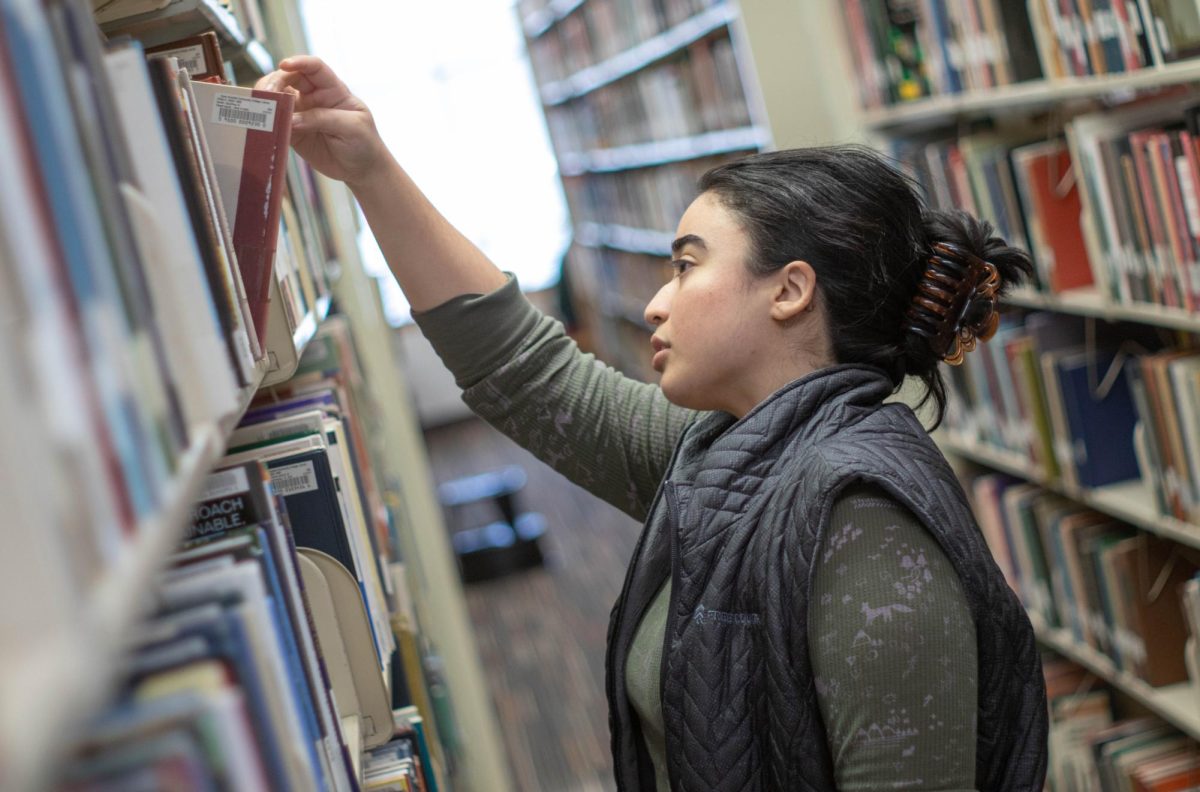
56,677
640,99
1051,101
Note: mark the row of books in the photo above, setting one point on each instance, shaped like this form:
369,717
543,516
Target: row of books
1024,185
904,51
1115,204
1094,750
1086,37
699,90
137,276
1140,171
600,29
1127,594
653,198
1099,414
272,643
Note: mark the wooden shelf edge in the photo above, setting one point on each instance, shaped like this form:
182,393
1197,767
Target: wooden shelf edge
1102,500
639,56
1177,704
67,677
1033,94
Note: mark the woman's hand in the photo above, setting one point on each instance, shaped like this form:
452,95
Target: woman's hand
331,128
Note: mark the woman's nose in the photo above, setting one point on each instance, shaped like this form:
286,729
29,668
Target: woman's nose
656,309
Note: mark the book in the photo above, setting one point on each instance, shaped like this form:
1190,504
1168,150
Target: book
248,133
1055,238
200,55
1101,423
170,241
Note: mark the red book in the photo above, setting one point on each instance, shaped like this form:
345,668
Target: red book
248,134
1060,251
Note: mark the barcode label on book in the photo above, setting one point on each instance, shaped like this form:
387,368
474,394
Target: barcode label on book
244,111
190,58
224,483
294,479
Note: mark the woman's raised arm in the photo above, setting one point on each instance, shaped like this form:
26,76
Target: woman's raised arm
334,131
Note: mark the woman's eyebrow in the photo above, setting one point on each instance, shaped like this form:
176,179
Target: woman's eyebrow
685,240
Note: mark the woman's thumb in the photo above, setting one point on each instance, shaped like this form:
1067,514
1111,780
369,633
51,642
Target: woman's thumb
323,120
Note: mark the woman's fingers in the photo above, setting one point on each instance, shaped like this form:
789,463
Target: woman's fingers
313,69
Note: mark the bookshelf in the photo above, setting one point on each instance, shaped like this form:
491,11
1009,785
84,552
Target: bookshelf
50,688
1128,501
182,18
979,124
1028,97
59,673
637,108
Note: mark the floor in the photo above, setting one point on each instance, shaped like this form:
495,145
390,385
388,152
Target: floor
541,633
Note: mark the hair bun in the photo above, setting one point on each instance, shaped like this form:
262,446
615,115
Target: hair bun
955,303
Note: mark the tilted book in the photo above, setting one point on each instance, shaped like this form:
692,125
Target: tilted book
248,133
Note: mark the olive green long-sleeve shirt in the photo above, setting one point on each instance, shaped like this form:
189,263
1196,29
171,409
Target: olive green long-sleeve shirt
892,639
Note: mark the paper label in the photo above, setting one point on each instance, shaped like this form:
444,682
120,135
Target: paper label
190,58
294,479
244,111
225,483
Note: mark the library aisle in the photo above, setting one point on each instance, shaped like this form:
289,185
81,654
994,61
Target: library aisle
541,632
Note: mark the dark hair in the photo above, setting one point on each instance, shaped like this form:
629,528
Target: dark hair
862,226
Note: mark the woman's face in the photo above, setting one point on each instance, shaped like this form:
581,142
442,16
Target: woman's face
716,340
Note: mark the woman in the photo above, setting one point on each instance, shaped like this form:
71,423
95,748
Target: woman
810,605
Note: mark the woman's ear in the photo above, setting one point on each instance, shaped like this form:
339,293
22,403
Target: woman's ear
795,291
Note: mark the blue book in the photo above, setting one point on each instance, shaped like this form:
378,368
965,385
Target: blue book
1101,424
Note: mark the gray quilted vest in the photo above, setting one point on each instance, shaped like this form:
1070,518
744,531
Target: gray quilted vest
737,523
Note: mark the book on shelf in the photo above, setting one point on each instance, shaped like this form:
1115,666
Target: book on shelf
200,55
248,132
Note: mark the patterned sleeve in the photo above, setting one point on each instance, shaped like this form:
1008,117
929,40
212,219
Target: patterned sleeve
609,434
893,651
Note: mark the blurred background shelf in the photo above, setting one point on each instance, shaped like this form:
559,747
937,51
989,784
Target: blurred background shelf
639,57
1026,97
1177,704
662,152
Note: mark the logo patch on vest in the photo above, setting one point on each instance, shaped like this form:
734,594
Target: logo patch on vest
703,615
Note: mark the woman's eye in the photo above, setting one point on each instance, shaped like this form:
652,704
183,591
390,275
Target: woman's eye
680,266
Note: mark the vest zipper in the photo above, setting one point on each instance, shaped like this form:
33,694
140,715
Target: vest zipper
672,526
